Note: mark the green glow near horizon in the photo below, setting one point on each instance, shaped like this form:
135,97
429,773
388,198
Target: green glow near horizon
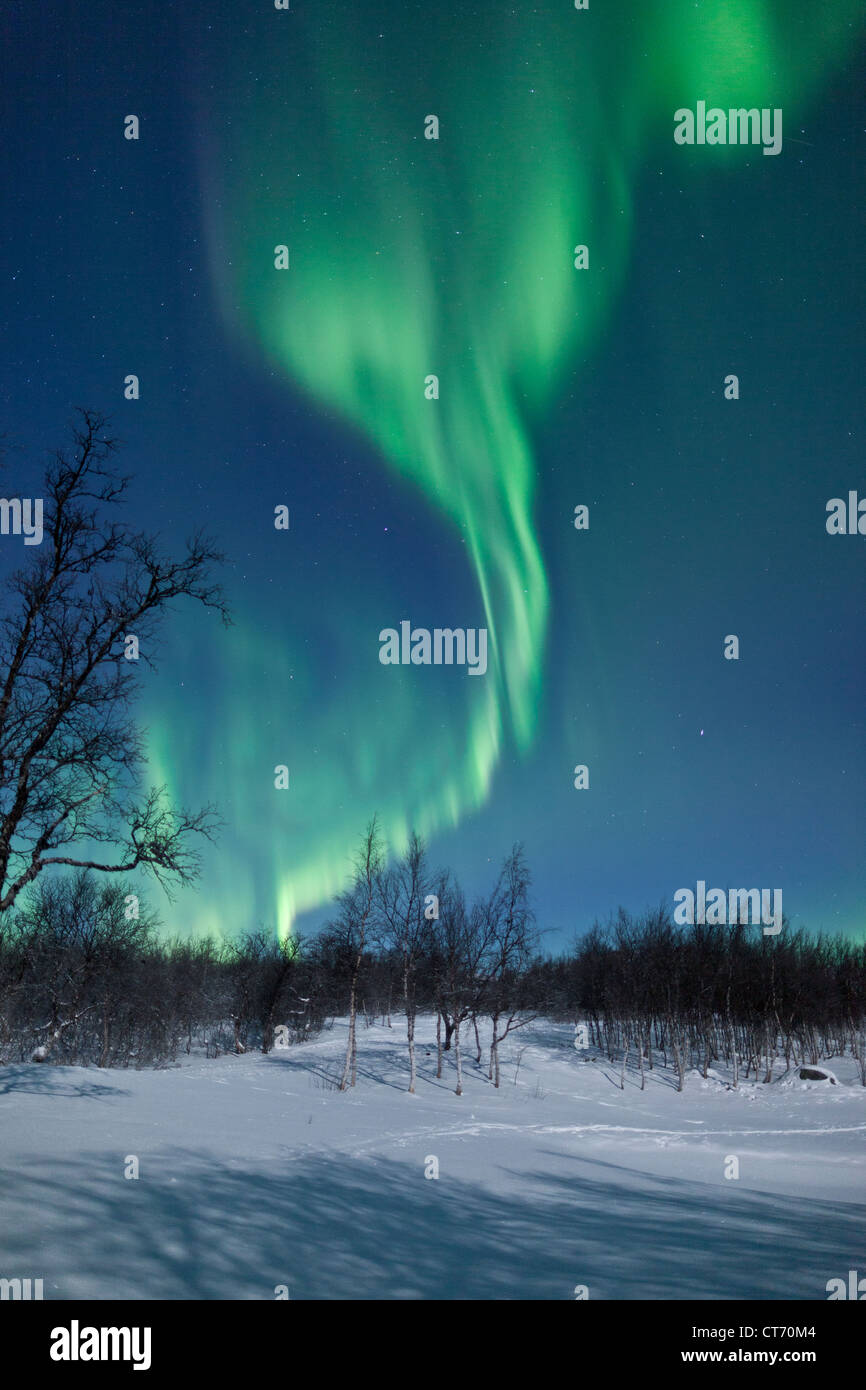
411,257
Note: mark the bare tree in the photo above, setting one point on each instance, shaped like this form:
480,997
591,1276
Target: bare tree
357,919
509,941
89,597
76,939
406,929
462,940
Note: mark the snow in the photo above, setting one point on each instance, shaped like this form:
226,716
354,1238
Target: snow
256,1171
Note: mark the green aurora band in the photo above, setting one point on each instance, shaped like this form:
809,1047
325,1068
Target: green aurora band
455,257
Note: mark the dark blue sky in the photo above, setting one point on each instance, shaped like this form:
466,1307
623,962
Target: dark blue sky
707,516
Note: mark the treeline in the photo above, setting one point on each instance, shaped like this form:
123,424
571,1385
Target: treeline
696,995
86,978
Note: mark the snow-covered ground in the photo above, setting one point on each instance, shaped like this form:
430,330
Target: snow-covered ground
256,1172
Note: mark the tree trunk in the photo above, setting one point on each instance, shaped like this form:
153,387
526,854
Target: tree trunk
494,1020
103,1061
349,1064
679,1061
410,1029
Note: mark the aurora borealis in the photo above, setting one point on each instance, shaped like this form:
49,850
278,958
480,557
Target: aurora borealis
557,386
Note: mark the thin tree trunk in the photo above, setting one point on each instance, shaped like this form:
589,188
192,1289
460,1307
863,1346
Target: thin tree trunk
354,1076
348,1065
410,1028
494,1019
103,1061
678,1058
771,1058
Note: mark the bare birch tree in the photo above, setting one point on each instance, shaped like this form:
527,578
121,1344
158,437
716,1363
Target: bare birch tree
357,919
406,928
509,941
87,597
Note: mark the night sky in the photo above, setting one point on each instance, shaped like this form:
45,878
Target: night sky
558,387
